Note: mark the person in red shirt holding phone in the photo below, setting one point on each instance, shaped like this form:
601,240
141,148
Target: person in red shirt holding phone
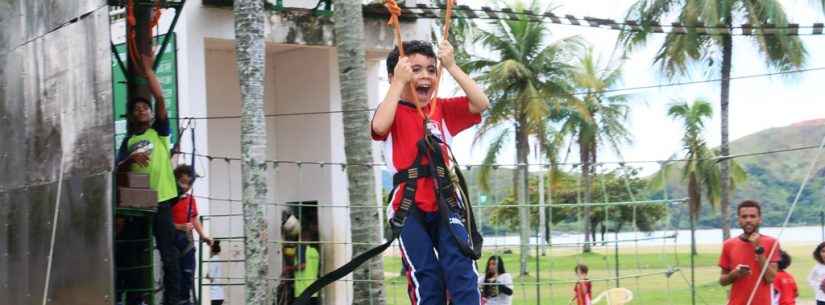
743,257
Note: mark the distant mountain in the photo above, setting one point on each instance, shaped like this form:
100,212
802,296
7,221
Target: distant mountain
774,179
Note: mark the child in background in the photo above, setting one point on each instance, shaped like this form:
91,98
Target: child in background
583,290
816,279
215,291
184,216
784,286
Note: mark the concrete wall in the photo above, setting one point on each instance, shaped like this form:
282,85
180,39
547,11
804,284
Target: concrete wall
56,113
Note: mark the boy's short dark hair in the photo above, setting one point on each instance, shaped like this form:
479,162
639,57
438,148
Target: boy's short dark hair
130,106
184,169
784,260
581,268
410,47
749,204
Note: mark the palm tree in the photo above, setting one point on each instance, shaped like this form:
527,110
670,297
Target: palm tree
524,77
780,50
700,169
593,119
250,57
364,218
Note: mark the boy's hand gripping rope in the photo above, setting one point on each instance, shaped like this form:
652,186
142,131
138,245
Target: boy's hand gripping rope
395,12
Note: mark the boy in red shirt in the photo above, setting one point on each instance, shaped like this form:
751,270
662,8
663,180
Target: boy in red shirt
784,285
184,216
583,290
429,245
743,257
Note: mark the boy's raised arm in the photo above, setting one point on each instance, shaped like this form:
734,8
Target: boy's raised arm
154,87
478,99
385,114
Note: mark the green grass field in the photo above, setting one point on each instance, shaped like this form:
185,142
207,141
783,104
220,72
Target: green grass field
652,287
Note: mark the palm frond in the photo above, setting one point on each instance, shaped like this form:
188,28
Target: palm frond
490,158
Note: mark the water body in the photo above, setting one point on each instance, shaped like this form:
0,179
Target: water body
794,235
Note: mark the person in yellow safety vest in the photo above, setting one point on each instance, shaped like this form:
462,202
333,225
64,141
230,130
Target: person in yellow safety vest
309,260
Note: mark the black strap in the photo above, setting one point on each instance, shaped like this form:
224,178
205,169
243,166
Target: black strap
406,207
411,173
333,276
446,198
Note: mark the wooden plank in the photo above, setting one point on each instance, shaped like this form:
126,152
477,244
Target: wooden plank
793,29
489,12
634,26
572,19
817,30
768,29
427,11
532,16
678,28
510,14
747,29
656,26
553,18
722,29
467,11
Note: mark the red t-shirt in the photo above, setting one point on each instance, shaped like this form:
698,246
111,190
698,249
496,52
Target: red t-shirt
181,209
735,251
451,117
583,291
785,288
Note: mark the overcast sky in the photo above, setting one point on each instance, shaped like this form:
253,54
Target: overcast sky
755,104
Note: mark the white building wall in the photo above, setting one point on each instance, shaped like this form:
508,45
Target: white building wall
292,86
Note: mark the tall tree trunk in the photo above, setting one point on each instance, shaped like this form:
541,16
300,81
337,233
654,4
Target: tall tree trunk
585,155
724,167
693,259
250,56
694,200
522,150
365,222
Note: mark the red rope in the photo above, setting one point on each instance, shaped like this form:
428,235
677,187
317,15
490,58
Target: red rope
131,35
448,17
395,12
131,24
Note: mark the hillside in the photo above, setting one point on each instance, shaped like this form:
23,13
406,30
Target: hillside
774,179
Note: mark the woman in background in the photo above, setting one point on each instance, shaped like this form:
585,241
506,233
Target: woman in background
497,285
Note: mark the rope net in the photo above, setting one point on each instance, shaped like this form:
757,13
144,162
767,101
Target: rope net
553,249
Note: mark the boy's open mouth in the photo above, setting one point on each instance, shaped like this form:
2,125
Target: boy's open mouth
423,89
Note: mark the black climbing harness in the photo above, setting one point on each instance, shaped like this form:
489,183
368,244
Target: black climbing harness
451,196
